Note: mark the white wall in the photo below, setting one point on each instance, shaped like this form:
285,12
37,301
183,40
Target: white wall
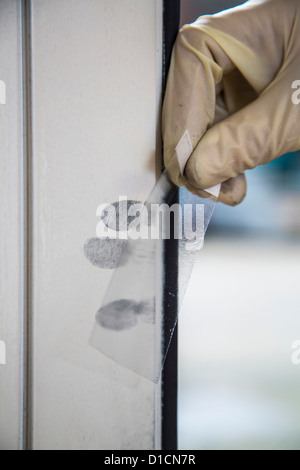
9,224
96,71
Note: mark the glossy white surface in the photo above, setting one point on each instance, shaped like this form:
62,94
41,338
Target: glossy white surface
9,223
96,85
94,124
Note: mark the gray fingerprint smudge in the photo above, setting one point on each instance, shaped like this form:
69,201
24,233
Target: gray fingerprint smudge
112,218
118,315
146,311
104,252
123,314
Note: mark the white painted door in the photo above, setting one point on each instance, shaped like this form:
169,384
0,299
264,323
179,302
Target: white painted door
10,216
92,114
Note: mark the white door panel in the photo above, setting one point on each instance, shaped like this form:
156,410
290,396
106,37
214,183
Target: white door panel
95,96
10,188
94,128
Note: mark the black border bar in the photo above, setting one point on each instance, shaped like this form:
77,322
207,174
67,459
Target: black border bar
171,18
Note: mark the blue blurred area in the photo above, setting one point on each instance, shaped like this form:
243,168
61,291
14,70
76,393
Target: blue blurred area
191,9
272,204
288,164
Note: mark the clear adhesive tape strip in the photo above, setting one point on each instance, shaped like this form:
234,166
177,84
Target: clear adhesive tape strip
128,326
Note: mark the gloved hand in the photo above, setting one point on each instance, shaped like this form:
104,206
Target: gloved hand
230,85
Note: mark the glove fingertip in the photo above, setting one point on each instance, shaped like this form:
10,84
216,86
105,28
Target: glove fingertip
233,191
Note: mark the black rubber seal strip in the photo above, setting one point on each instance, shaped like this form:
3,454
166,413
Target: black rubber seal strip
171,18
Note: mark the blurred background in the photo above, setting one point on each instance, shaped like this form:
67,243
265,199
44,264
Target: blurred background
238,387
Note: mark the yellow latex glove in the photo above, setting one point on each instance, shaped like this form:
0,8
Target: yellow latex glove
230,85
